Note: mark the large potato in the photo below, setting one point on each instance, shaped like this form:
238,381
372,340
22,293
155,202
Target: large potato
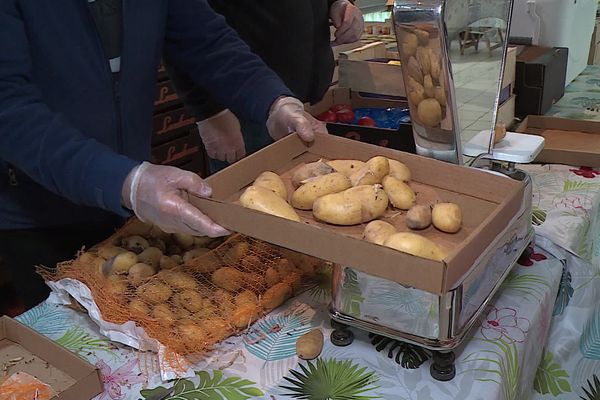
416,91
399,171
372,172
310,345
310,170
266,201
447,217
418,217
228,278
416,245
430,112
400,194
304,197
352,206
378,231
272,181
346,167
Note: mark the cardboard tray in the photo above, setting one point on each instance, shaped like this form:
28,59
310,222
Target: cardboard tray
488,202
69,376
570,142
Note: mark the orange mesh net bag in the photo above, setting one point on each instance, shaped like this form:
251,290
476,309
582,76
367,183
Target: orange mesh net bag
189,293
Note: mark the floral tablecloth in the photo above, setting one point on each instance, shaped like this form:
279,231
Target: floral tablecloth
540,338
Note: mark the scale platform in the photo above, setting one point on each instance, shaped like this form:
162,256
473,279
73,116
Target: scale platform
515,147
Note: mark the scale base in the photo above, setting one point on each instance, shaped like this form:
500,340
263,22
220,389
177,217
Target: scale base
516,147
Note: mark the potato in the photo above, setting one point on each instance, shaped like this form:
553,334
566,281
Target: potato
156,232
116,288
167,262
184,241
285,267
174,249
409,44
272,181
209,263
178,280
254,282
435,65
154,292
135,243
266,201
311,170
304,197
202,241
177,258
372,172
138,309
236,252
275,296
91,261
193,336
217,328
140,272
399,171
418,217
191,300
414,70
416,245
294,279
428,86
352,206
424,60
447,217
440,96
228,278
163,314
346,167
378,231
150,256
430,112
194,253
310,345
251,263
271,276
400,194
246,297
422,37
158,243
499,133
207,309
244,315
119,264
108,252
416,92
224,300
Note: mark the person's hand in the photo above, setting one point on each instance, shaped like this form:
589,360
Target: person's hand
318,127
287,115
158,194
348,21
222,137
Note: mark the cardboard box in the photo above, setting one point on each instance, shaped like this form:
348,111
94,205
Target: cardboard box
70,377
489,203
540,79
171,124
506,112
179,151
567,141
165,96
510,69
399,139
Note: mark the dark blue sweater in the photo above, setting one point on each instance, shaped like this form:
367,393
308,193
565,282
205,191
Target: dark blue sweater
69,135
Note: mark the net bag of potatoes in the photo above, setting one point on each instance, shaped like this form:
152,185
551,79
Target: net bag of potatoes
189,293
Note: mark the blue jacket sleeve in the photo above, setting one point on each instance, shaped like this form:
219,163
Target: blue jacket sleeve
43,144
199,42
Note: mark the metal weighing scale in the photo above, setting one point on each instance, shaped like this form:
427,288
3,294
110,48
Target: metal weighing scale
467,83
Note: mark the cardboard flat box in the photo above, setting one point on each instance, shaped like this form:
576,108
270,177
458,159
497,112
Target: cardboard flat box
399,139
567,141
488,202
510,69
70,377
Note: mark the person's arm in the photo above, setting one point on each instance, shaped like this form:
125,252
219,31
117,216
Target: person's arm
348,21
42,143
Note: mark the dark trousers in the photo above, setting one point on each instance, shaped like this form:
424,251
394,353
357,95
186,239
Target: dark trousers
22,250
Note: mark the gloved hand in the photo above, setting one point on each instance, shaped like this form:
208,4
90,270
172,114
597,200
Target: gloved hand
222,137
348,20
158,194
286,116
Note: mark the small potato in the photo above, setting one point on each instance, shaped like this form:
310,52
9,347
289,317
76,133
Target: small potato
237,252
194,253
435,65
430,112
138,309
244,315
209,263
177,258
190,300
416,245
183,240
447,217
293,279
251,263
151,256
163,314
108,252
311,170
178,280
414,70
346,167
422,37
440,96
418,217
154,292
116,287
399,171
217,328
499,133
304,197
255,282
156,232
285,267
193,335
266,201
400,194
224,300
409,44
275,296
91,262
246,297
202,241
135,243
428,86
167,262
119,264
228,278
207,309
272,181
139,272
310,345
424,60
174,249
372,172
159,244
353,206
271,276
416,91
378,231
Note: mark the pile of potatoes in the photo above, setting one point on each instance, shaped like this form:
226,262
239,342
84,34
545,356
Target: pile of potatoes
352,192
424,76
193,293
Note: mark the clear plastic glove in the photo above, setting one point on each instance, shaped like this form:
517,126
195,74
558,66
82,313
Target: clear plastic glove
318,127
158,194
222,137
348,21
287,115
